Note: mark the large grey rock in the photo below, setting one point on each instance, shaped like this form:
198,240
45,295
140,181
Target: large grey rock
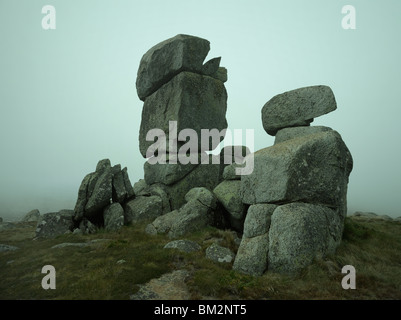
143,208
1,220
297,108
252,253
313,168
258,218
228,194
55,223
194,101
300,233
251,256
33,215
183,245
219,254
113,216
168,58
101,195
119,193
127,183
230,158
295,132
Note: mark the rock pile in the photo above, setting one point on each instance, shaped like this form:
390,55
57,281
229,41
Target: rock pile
180,93
298,189
290,208
101,198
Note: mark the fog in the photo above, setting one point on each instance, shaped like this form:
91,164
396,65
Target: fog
68,97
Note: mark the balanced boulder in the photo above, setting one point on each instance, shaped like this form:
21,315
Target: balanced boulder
297,108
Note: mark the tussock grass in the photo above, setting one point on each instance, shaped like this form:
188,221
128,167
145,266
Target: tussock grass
92,272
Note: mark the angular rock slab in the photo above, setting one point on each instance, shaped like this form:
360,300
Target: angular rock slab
113,216
313,168
168,58
297,108
194,101
300,233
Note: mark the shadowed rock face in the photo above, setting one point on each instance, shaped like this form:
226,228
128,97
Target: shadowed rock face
297,108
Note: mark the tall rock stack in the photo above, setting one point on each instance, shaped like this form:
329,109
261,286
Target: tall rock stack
298,186
180,93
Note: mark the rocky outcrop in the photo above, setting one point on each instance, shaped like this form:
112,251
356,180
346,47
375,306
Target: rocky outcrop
99,189
305,176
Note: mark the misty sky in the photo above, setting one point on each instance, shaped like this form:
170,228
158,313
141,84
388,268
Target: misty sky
68,97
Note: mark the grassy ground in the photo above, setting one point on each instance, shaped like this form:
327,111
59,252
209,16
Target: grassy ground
93,272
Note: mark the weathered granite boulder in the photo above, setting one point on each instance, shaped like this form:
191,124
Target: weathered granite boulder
170,57
113,216
313,168
55,223
300,233
297,108
33,215
157,189
252,253
195,102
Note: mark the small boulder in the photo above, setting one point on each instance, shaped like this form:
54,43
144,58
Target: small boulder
219,254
